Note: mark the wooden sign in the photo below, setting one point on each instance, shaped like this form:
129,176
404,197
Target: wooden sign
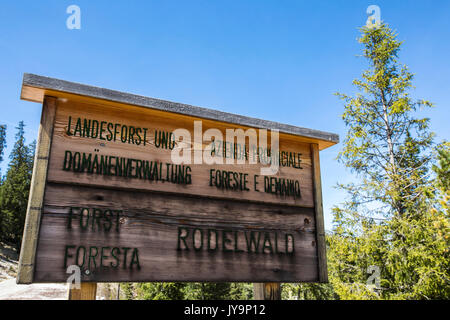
111,195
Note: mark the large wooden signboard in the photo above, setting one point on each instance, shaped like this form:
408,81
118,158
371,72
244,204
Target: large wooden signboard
108,196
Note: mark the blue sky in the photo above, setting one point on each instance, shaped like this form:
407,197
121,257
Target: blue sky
274,60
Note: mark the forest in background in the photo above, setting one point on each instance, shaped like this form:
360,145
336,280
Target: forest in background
391,235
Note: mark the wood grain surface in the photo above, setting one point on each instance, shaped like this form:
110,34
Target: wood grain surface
131,229
156,120
150,222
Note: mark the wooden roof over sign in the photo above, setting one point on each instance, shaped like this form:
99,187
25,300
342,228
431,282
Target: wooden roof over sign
35,87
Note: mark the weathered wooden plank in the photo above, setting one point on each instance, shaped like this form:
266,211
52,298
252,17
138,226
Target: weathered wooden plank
151,222
203,182
36,197
318,206
208,211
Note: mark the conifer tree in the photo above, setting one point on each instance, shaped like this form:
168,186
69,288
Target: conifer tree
191,291
386,222
2,149
15,189
2,142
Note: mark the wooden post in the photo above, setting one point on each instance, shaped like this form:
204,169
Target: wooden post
87,291
267,291
37,190
318,206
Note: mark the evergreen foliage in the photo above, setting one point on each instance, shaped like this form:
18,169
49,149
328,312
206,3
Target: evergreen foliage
2,150
2,142
390,219
15,189
187,291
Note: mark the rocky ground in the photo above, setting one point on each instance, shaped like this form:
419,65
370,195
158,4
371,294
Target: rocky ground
9,290
8,262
